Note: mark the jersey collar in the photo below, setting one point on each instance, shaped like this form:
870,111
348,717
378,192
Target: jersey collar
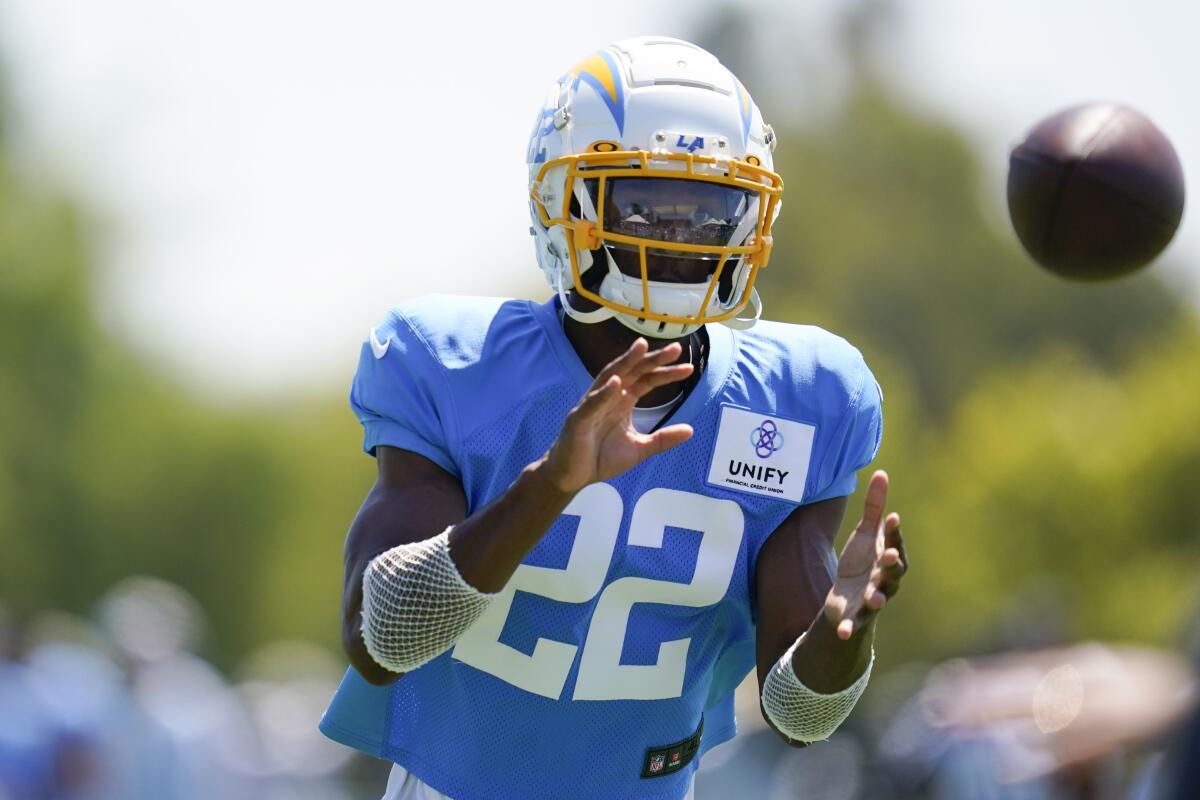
712,381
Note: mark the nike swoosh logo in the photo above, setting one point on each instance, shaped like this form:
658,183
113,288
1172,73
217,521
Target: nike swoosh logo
377,347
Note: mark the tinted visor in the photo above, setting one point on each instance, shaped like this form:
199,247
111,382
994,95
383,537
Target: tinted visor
673,210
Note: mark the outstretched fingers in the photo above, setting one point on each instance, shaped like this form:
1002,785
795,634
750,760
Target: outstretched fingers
894,561
856,614
621,365
659,376
653,360
876,500
892,538
599,400
875,598
664,439
874,555
638,360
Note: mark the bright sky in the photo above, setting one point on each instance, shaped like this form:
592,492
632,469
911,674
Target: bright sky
272,175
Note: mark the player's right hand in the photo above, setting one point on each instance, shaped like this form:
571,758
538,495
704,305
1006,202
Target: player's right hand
598,440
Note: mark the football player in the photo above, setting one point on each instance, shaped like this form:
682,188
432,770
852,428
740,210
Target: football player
594,516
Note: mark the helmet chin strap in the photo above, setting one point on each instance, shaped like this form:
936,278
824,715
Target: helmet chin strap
616,285
671,331
741,323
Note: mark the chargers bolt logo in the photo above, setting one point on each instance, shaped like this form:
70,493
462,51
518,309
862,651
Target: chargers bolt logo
766,439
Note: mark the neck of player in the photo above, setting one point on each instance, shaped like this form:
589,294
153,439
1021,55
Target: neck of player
597,344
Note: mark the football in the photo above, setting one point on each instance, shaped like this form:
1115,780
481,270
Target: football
1095,191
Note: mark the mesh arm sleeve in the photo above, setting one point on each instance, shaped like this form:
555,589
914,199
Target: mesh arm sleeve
799,712
416,604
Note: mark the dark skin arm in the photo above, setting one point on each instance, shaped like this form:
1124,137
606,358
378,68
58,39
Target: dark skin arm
413,499
406,481
801,588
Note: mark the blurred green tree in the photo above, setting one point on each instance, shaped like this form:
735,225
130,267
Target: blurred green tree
1059,493
107,469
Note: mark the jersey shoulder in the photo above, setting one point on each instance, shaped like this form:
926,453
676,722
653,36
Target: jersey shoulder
454,329
476,357
804,364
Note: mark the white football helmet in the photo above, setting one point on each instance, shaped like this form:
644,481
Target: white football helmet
647,161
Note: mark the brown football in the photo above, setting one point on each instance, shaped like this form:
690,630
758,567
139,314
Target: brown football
1095,191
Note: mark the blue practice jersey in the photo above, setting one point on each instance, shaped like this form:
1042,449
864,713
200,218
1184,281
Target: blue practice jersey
628,626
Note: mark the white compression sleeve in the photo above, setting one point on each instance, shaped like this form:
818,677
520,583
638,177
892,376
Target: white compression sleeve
416,604
799,712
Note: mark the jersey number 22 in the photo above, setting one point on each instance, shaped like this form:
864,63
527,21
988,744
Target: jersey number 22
601,675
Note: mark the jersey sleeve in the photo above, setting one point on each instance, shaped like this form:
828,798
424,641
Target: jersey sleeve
400,394
855,441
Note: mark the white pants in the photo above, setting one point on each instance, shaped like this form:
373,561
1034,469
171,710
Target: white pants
403,785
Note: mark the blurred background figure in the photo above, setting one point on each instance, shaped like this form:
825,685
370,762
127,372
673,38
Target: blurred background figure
1085,721
203,208
71,728
286,685
205,733
126,709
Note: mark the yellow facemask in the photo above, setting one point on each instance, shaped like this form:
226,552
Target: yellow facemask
606,163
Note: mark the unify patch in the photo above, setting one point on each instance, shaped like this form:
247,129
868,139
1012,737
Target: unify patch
761,454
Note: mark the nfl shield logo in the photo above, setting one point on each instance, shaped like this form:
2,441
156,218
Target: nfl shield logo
656,763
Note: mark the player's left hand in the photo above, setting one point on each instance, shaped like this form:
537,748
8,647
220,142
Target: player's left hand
870,567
